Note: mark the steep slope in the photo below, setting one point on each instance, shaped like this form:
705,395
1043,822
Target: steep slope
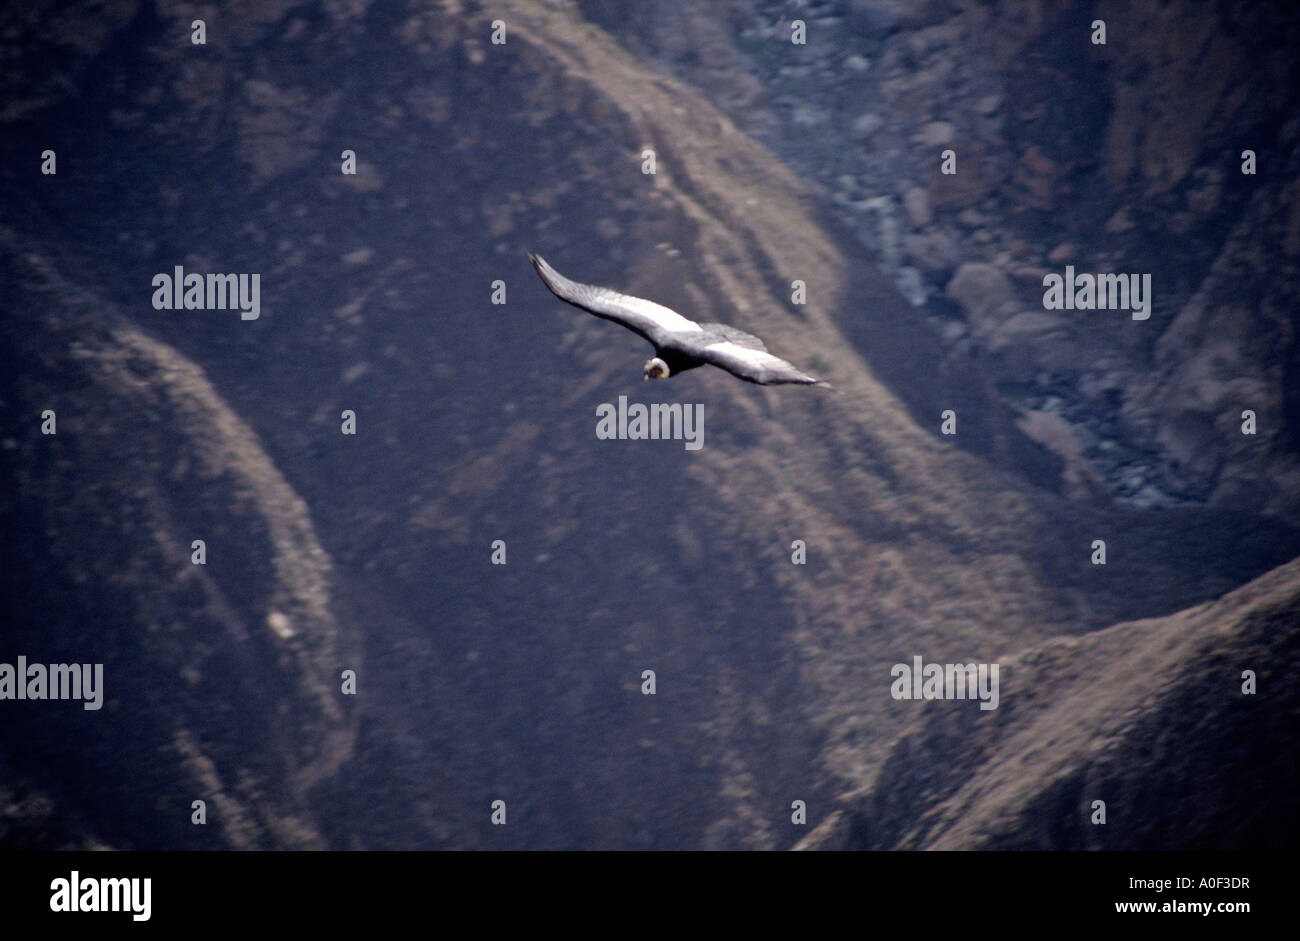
219,679
1155,718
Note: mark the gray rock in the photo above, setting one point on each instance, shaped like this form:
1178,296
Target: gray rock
933,251
866,125
912,286
1028,326
917,203
935,134
1062,253
1119,222
807,115
1026,341
952,330
977,288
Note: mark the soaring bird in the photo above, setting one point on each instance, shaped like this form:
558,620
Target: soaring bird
680,343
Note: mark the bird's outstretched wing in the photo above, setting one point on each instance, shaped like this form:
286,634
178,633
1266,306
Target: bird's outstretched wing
753,365
661,325
735,335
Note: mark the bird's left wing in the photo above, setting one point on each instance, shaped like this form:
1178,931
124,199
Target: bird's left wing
753,365
658,324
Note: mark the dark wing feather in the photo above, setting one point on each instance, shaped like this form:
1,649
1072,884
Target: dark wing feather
660,325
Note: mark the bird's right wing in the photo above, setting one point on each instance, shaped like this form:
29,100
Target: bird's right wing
658,324
754,365
736,336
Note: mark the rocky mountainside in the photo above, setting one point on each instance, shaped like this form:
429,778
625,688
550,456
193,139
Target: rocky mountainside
372,553
1122,157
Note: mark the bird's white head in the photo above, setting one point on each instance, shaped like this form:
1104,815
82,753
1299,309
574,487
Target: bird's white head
656,368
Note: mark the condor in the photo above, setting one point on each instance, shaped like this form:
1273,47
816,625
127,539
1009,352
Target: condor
680,344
